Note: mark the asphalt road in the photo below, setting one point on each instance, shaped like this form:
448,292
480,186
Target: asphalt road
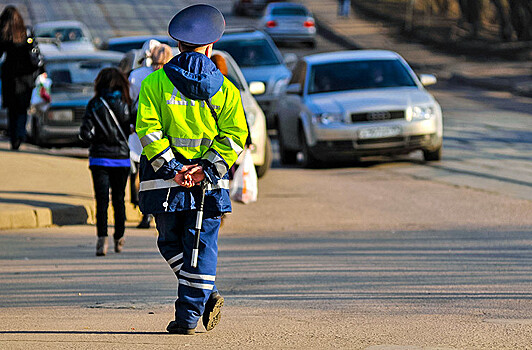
391,254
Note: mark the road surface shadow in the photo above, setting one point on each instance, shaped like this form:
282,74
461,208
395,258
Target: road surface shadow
86,332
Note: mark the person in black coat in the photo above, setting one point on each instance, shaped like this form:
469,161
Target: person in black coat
106,124
18,72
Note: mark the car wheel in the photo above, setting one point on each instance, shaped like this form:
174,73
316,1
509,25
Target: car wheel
432,156
286,156
309,160
262,169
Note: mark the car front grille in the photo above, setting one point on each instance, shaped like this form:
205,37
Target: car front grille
377,116
382,140
380,145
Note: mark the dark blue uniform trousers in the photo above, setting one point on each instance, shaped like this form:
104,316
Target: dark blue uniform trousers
175,242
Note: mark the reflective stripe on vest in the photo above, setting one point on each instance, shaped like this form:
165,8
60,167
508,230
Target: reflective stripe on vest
149,138
159,161
158,184
175,100
229,142
182,142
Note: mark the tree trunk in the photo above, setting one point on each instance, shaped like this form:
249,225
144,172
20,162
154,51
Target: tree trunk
471,11
505,27
443,6
521,16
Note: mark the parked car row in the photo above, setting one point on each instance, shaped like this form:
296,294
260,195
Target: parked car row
338,105
72,71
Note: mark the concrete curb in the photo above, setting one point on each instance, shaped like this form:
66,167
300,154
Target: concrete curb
61,214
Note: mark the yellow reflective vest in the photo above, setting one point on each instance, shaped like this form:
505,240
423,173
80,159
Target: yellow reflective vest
174,129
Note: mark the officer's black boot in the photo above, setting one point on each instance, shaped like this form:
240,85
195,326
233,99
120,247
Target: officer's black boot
211,315
174,328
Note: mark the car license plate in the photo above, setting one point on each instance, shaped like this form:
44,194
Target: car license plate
379,132
291,25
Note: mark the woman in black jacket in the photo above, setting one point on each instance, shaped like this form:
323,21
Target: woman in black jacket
18,73
105,126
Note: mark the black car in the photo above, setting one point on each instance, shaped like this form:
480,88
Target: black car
57,123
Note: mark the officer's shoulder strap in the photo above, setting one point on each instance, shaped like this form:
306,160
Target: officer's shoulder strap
211,107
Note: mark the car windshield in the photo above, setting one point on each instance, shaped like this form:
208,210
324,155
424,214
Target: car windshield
76,72
249,53
63,34
356,75
289,11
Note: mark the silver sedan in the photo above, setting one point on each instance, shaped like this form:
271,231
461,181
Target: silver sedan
289,22
348,104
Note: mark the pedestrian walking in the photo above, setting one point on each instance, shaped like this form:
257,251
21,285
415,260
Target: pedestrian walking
344,6
19,71
106,123
192,126
159,54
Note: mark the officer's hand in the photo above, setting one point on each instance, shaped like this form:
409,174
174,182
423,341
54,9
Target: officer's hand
195,175
180,176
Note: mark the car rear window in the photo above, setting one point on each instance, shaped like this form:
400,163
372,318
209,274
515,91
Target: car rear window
355,75
289,11
249,53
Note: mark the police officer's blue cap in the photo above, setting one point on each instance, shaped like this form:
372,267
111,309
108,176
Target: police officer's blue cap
197,24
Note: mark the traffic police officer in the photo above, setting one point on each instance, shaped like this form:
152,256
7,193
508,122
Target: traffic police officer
192,127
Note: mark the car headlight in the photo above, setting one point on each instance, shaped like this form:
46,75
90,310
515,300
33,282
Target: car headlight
279,86
419,113
327,118
60,115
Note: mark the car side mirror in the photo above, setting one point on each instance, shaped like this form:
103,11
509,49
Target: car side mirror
290,59
427,79
257,87
294,89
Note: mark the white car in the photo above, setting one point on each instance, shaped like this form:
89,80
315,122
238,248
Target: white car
350,104
64,35
261,148
289,23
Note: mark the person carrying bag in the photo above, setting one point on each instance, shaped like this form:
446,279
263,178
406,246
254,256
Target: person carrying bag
21,66
105,125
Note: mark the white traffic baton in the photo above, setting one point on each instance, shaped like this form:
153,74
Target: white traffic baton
199,221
